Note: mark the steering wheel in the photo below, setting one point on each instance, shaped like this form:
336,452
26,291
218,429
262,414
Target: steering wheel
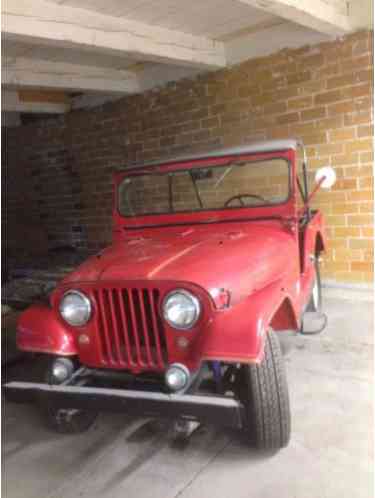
240,196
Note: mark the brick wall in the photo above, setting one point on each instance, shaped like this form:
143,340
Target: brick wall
59,170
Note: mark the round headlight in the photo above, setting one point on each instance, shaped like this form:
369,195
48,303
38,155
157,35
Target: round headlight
75,308
181,309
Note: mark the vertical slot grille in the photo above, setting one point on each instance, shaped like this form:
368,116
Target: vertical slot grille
129,329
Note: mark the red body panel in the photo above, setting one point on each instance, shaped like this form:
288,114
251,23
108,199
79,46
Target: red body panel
258,256
247,255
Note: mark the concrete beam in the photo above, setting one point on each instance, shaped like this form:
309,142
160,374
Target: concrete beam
42,22
320,15
25,101
29,72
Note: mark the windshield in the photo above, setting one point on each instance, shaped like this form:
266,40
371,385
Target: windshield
235,185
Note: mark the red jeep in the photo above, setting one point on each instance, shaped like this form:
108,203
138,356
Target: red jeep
214,260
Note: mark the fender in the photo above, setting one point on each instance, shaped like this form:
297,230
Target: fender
238,333
40,331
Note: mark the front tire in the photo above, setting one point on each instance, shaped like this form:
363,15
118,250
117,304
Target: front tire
62,420
264,393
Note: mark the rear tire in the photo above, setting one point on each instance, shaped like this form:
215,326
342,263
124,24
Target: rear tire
264,393
315,302
62,420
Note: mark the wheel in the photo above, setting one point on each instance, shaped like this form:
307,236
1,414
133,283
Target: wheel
62,420
315,302
264,393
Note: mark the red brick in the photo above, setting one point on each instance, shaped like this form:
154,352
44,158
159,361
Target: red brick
299,103
315,113
291,117
328,97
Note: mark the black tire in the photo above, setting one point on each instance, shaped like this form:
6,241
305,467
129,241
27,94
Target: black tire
315,301
65,421
264,393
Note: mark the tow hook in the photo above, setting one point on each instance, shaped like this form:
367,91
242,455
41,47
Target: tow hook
182,429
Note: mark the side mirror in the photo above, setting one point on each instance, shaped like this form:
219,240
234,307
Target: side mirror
329,176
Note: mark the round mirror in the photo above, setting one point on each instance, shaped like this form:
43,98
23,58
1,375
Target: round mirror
329,176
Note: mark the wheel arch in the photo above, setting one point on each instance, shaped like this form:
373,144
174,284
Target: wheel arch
239,333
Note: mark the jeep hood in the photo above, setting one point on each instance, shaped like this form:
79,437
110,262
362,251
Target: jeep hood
238,257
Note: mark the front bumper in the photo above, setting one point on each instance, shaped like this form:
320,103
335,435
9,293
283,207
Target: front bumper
217,410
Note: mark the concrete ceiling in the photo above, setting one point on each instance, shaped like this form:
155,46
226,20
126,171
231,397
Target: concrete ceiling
211,18
59,54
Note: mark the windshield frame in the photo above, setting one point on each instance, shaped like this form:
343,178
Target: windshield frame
234,162
286,210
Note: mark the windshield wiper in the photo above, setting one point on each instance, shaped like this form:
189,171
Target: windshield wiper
228,170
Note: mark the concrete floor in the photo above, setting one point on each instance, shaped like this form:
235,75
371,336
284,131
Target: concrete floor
330,454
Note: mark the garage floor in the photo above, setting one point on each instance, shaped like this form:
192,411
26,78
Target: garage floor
330,454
